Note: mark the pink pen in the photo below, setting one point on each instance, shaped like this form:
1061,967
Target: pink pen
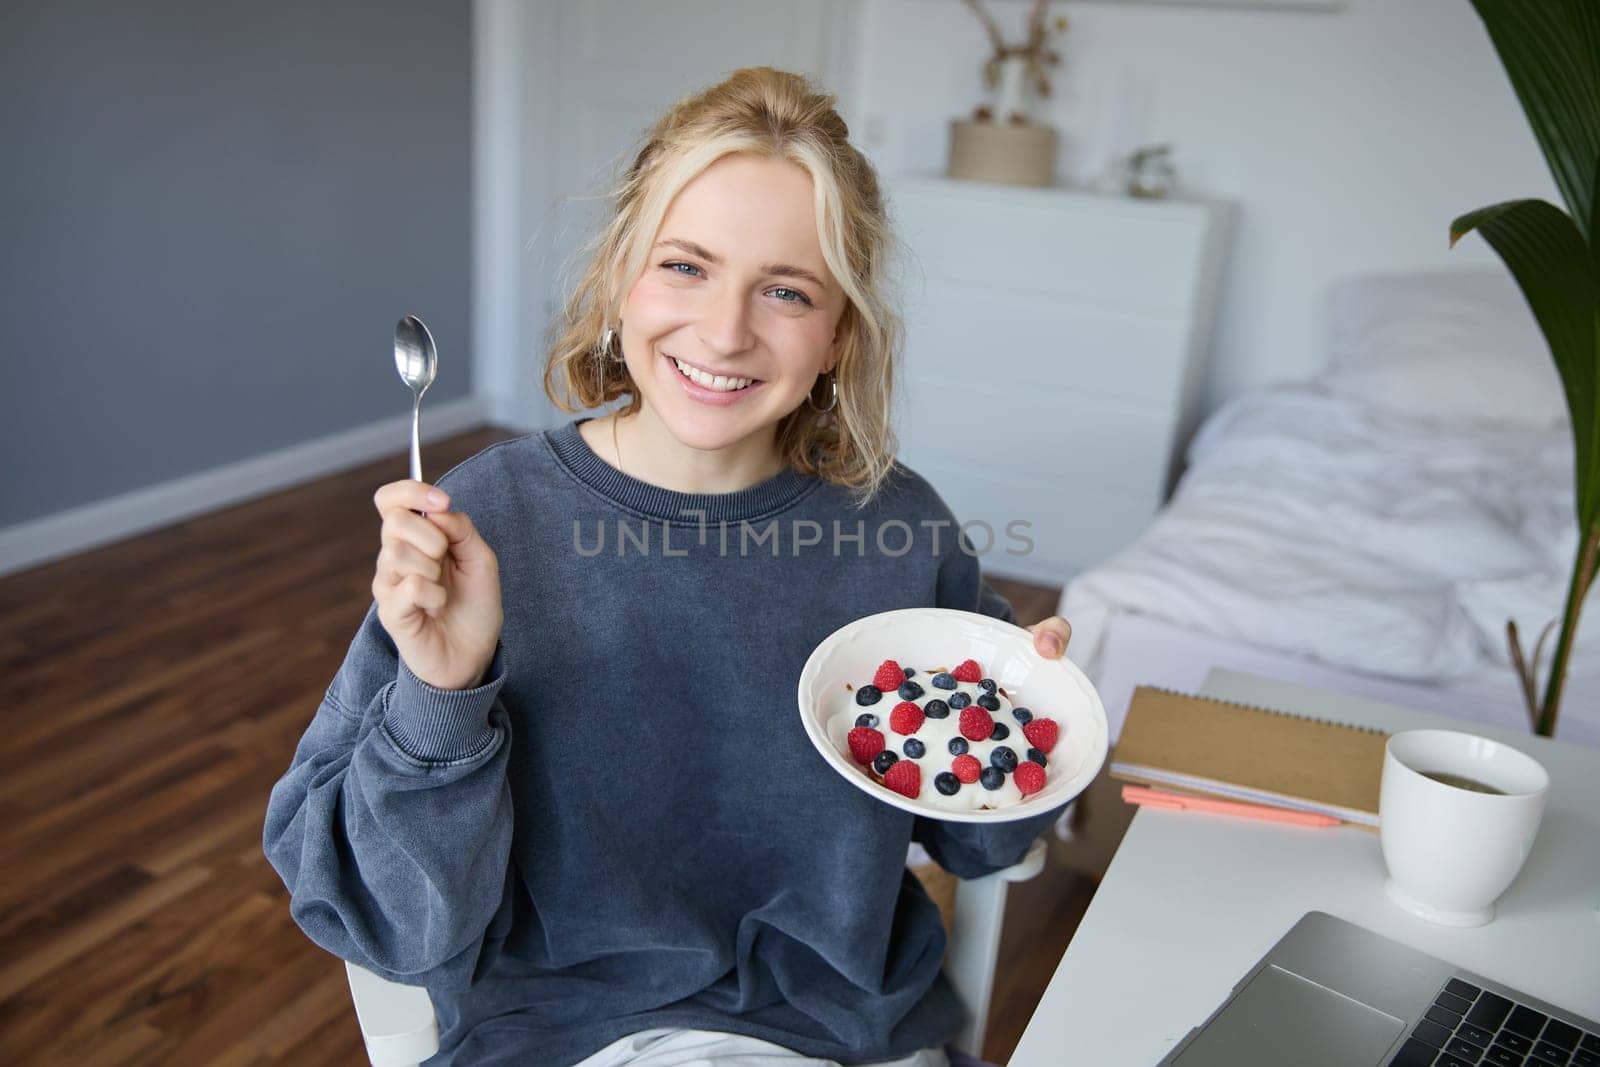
1155,798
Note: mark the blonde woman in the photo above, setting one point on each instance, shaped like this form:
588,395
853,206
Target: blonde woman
559,778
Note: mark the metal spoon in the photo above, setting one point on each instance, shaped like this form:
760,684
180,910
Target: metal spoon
417,360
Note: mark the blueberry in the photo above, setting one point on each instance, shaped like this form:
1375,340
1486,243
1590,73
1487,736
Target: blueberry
947,783
884,760
944,680
986,684
992,777
868,694
1001,732
1022,715
1037,756
914,748
909,671
958,746
989,702
910,690
866,718
1005,758
936,709
959,700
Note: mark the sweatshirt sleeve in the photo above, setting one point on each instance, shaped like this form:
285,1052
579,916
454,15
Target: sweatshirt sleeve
392,827
972,850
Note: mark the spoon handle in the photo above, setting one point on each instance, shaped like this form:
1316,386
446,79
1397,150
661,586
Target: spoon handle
416,443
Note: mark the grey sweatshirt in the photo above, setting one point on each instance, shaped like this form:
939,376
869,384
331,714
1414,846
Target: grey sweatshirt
626,826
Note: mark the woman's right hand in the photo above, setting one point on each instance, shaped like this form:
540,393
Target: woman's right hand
437,586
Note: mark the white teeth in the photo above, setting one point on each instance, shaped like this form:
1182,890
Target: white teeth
718,383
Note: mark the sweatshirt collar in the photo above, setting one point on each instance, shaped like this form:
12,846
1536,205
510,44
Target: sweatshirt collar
777,492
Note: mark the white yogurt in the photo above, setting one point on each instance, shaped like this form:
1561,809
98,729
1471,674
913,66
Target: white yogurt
935,734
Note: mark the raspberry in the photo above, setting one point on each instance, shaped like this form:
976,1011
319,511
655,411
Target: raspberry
906,718
966,768
889,676
975,723
967,671
904,778
865,743
1029,777
1041,734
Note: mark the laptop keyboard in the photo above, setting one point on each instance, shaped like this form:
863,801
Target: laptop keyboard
1467,1026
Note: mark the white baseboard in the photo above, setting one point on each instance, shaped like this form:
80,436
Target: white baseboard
37,541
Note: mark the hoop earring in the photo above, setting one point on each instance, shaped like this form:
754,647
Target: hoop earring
833,402
607,340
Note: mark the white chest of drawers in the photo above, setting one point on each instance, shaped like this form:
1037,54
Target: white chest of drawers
1055,351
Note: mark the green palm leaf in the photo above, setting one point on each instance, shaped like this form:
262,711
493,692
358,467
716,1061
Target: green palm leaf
1551,53
1551,264
1555,271
1594,223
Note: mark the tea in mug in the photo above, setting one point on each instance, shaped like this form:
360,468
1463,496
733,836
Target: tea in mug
1472,785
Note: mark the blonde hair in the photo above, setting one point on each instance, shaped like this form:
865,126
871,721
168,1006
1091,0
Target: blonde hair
773,114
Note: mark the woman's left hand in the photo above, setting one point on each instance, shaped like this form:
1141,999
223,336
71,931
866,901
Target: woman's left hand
1050,637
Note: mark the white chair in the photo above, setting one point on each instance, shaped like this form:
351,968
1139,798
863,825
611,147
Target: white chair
398,1024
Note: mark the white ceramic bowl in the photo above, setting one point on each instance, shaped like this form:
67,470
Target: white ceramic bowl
922,637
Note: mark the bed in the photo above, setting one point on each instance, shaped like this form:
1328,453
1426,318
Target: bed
1368,531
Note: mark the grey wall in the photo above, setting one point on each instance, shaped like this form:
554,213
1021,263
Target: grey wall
211,216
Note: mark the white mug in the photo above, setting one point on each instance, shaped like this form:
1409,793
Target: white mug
1451,851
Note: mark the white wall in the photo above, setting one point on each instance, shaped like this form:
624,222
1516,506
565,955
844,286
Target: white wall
1350,139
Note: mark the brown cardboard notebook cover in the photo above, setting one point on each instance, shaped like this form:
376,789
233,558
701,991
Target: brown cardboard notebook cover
1240,752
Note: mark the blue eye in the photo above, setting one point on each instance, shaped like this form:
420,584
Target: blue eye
795,297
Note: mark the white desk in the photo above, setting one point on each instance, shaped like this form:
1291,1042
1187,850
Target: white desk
1191,901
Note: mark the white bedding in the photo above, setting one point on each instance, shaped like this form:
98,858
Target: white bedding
1369,540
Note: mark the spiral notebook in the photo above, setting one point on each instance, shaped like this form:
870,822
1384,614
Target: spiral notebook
1257,755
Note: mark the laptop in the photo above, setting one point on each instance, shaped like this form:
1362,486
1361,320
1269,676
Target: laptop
1332,994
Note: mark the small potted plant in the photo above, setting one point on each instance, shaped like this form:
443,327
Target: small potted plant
1150,172
1551,54
1003,141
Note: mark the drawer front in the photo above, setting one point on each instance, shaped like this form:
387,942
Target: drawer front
1069,530
1049,436
1031,342
1135,260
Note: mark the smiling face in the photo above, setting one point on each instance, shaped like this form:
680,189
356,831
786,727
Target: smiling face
735,313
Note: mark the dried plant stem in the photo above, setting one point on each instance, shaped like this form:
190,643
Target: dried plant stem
1528,672
996,39
1530,696
1035,49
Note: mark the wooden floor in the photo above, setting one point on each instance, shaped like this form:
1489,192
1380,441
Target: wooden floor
153,692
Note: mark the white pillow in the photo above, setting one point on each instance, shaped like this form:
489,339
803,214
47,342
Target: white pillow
1445,344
